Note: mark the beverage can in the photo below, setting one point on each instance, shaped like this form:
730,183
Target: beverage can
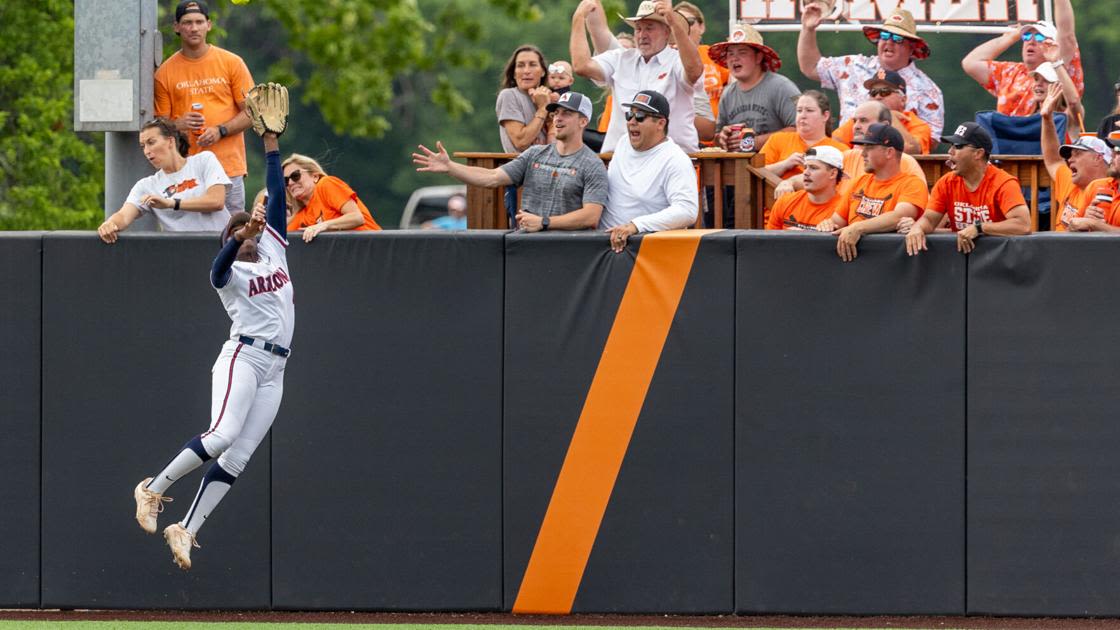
746,144
734,136
198,108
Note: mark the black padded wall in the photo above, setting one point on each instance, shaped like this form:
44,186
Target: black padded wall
20,322
1043,475
849,427
387,462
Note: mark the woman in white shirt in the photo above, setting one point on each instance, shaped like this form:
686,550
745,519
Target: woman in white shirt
186,194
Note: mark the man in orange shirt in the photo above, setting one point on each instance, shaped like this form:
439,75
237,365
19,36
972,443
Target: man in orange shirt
889,88
819,204
1073,168
864,116
978,197
1100,212
883,195
202,88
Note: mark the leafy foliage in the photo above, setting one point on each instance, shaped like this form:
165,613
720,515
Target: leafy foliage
50,176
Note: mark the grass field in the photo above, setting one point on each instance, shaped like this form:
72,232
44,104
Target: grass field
177,625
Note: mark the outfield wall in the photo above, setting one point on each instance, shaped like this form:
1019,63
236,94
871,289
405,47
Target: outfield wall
710,422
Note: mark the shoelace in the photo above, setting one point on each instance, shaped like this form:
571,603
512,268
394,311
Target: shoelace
156,501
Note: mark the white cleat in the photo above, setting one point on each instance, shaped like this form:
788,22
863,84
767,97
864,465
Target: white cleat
148,506
180,541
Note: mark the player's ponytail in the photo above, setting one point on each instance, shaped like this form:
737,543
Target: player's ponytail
167,129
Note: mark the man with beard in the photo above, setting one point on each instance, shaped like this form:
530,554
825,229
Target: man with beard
652,184
564,184
1010,81
880,198
977,197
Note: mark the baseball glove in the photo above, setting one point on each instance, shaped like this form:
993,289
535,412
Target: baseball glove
267,105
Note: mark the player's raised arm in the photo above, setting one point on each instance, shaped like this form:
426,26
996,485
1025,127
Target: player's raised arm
267,105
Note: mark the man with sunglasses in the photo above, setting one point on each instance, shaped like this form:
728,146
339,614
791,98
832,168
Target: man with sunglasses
978,198
652,182
898,45
880,198
1010,81
889,88
564,183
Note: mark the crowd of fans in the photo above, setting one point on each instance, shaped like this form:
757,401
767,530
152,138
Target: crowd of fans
850,172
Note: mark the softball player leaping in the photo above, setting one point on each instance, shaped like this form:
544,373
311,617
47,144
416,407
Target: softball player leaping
255,287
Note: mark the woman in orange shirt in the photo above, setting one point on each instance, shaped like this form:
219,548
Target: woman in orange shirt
320,201
784,151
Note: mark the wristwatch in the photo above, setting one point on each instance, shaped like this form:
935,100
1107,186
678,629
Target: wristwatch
979,227
222,131
544,224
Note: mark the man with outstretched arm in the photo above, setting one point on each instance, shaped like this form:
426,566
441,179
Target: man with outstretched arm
564,184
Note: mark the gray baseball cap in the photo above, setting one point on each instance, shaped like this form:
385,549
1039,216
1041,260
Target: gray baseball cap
574,101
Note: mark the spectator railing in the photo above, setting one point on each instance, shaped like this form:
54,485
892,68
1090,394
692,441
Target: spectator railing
751,187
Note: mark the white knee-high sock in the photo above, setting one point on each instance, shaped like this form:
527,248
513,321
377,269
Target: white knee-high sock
215,484
192,456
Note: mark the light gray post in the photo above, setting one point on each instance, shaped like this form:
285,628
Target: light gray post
116,50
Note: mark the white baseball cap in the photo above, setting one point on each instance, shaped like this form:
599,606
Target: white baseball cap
826,155
1046,71
1086,143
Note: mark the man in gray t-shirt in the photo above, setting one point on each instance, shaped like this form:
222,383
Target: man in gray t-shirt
564,184
757,96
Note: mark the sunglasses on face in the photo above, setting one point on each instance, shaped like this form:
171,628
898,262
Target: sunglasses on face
293,177
691,20
1038,37
891,37
881,91
959,147
639,116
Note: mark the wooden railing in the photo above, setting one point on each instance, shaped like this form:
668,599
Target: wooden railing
752,187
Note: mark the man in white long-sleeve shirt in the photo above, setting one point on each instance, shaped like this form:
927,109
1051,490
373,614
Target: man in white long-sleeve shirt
652,185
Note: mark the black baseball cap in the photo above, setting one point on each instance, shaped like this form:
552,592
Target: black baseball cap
971,134
882,134
650,101
192,6
889,78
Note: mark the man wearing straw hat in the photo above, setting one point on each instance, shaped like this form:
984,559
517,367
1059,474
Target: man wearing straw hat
1010,81
759,97
653,64
898,45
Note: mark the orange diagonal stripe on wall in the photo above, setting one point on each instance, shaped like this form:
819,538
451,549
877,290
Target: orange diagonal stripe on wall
607,421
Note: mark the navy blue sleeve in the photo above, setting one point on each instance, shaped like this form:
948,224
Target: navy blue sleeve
277,213
223,262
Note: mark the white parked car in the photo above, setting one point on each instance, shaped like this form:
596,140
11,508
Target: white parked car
428,203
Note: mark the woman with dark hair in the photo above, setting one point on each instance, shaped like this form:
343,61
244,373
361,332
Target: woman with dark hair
785,151
522,117
250,274
186,194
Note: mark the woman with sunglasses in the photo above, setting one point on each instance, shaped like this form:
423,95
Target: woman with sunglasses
784,151
1011,81
322,202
